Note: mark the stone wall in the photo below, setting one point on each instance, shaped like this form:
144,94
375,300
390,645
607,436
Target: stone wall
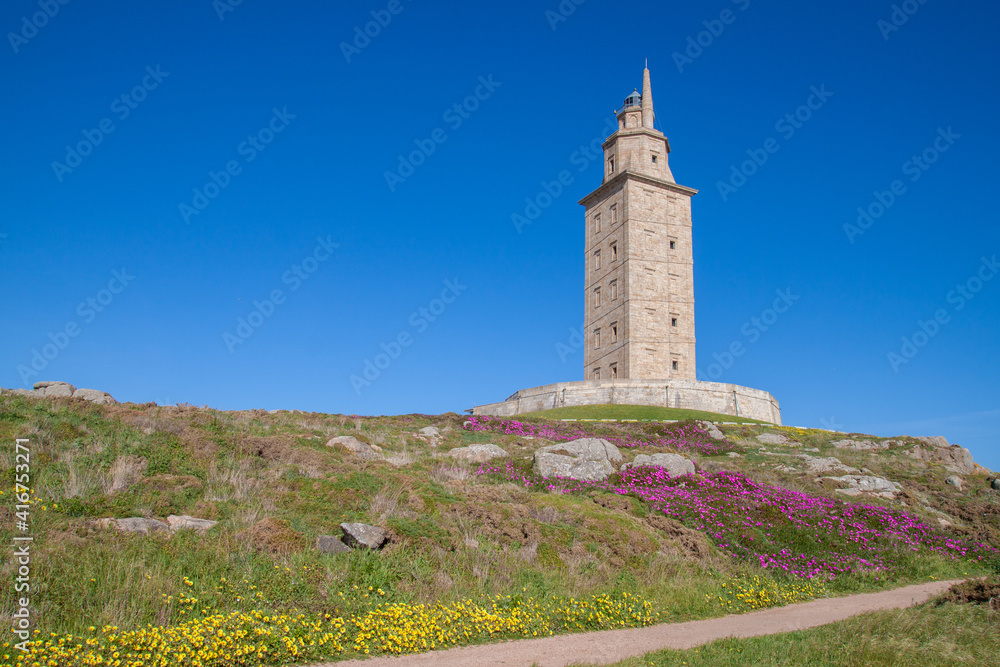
727,399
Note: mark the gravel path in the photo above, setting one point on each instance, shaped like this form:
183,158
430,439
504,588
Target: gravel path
610,646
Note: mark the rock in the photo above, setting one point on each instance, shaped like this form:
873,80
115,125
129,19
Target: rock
590,449
46,384
674,465
557,465
954,458
479,453
954,480
95,396
996,484
139,525
363,536
586,459
711,430
54,389
772,439
817,464
183,521
430,432
861,445
934,440
734,455
329,544
353,445
49,389
23,392
858,484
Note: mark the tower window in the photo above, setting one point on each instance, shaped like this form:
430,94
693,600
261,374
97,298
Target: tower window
597,373
597,223
597,259
654,159
673,245
597,296
673,321
614,371
597,339
614,290
614,251
675,365
614,332
614,214
611,165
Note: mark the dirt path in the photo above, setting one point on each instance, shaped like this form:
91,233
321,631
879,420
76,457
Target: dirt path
610,646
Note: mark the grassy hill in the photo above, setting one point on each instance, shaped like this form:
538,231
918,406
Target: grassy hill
635,413
476,553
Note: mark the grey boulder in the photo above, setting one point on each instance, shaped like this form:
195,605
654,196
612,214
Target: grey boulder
996,484
773,439
954,480
711,430
861,445
183,521
876,486
139,525
586,459
353,445
675,465
54,389
95,396
479,453
329,544
363,536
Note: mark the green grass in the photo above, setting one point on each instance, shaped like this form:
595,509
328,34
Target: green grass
929,635
638,412
453,537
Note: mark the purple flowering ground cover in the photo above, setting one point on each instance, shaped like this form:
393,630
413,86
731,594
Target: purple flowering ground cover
796,533
682,436
778,529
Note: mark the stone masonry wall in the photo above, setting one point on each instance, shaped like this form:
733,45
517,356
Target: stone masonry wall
727,399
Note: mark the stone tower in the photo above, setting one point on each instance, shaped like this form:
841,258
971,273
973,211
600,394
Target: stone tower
639,317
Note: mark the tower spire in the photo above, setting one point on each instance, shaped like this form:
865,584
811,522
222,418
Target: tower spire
647,99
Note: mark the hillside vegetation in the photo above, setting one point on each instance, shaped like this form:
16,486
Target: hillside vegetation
476,552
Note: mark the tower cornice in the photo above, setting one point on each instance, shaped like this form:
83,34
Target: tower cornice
642,178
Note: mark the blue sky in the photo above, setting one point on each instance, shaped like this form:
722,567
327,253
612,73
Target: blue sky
215,154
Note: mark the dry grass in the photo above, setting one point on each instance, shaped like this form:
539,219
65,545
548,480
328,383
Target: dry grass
124,473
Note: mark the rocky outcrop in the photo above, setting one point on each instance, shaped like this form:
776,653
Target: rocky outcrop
711,430
859,484
136,525
50,389
363,536
996,484
954,458
479,453
934,440
674,465
817,465
95,396
954,480
586,459
861,445
354,446
775,439
183,521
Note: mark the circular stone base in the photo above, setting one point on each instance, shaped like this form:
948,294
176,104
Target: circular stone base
727,399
